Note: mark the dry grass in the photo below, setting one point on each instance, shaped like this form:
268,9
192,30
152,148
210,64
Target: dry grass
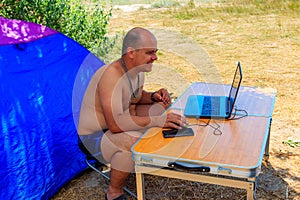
266,39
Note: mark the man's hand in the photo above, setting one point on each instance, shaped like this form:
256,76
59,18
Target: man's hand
162,95
174,120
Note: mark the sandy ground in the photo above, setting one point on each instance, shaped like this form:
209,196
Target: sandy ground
274,63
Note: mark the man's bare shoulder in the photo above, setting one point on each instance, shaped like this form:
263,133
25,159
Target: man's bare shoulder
109,76
111,72
106,70
113,69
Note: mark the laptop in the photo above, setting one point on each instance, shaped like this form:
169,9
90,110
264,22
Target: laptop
214,106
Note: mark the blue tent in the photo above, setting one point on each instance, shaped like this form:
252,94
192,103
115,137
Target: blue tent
43,76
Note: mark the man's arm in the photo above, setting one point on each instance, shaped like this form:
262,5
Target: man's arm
146,98
161,95
116,114
116,110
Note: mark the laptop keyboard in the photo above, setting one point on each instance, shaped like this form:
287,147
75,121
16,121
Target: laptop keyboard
211,106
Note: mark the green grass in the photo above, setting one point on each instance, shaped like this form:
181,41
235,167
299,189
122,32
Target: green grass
128,2
238,8
165,4
160,3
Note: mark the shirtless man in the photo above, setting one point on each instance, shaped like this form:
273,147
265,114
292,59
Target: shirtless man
117,109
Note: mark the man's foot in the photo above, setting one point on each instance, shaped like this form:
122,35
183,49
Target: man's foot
121,197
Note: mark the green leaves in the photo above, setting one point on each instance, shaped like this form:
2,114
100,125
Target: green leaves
48,13
292,143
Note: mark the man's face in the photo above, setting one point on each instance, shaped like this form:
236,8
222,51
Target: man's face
146,55
145,58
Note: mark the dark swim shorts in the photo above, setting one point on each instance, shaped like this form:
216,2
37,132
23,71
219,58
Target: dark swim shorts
90,144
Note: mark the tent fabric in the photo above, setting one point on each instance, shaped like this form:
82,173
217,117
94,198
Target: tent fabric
18,31
43,76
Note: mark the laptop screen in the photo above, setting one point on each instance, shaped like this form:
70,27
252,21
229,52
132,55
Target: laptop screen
235,86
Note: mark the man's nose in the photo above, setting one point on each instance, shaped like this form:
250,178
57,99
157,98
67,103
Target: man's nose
154,56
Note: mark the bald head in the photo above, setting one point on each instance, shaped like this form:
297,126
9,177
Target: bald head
138,38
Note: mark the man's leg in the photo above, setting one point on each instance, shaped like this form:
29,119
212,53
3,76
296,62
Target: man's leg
117,182
116,150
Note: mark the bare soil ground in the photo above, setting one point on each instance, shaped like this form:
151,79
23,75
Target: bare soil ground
268,46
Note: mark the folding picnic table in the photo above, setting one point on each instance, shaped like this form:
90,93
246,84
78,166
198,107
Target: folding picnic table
223,152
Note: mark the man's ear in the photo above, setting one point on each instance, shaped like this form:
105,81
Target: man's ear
130,52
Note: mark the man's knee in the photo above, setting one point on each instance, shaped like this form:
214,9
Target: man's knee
120,142
122,161
132,137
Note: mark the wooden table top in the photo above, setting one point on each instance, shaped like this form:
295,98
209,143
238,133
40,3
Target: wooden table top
240,144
